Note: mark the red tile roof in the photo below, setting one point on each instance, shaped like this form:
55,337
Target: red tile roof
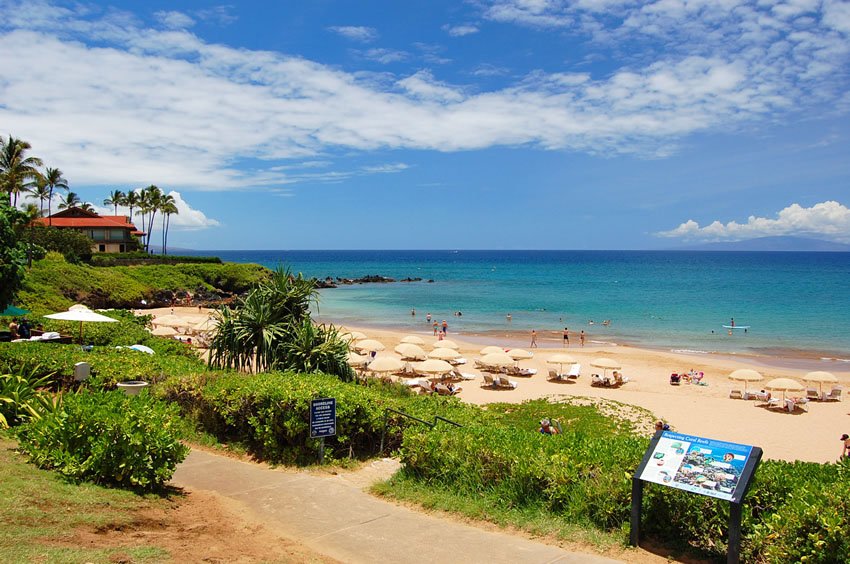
103,222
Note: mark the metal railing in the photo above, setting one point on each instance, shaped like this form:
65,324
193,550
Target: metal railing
437,418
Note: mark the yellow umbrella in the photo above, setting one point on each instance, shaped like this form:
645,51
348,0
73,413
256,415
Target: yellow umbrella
354,336
355,359
164,331
784,385
606,364
496,359
413,340
385,364
561,359
746,375
445,344
444,354
410,351
520,354
491,349
369,345
171,321
434,366
820,377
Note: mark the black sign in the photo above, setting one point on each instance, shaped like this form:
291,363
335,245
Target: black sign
322,418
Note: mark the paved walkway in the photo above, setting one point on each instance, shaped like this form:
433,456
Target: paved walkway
333,516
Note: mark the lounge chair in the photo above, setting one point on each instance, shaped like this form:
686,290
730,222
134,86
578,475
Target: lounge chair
575,371
794,403
503,382
750,395
596,380
444,390
812,394
488,380
554,375
834,394
735,393
774,403
675,379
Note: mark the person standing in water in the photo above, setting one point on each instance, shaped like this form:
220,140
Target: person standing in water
566,336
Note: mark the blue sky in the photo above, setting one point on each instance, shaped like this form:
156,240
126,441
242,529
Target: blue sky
503,124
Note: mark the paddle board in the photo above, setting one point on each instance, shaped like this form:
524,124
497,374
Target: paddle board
736,327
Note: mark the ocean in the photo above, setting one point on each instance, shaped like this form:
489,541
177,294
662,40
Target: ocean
795,304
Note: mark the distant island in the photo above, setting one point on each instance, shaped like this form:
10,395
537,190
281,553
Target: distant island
797,244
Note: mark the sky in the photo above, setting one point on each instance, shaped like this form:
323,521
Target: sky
484,124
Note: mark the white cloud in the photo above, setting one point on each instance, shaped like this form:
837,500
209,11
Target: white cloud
174,20
356,33
460,30
386,168
827,220
135,104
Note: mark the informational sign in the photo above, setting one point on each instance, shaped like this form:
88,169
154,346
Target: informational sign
699,465
322,418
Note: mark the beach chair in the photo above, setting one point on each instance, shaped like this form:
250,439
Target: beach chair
444,390
526,372
488,380
812,394
575,371
503,382
554,375
596,380
775,403
834,394
735,393
675,379
750,395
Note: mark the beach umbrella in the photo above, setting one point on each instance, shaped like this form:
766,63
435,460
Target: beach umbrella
820,377
491,349
410,351
606,364
12,310
433,366
413,340
498,360
561,359
81,315
204,325
520,354
370,345
445,344
784,385
164,331
355,359
746,375
444,354
385,364
353,336
141,348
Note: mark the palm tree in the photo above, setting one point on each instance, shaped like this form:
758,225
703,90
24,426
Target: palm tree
168,208
53,178
31,212
15,167
71,200
115,199
87,206
150,201
41,191
131,200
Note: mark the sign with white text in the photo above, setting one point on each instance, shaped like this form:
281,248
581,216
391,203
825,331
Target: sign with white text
322,418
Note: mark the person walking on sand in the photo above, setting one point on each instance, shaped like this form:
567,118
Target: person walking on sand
533,339
566,336
436,326
845,452
581,337
445,327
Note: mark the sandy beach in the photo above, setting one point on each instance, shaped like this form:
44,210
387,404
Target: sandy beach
700,410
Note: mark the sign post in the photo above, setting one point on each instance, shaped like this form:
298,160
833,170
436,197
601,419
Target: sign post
697,465
322,422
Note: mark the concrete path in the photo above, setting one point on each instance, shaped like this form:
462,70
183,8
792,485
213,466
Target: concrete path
333,516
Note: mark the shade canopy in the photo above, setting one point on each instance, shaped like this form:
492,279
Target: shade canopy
746,375
606,364
413,340
81,314
561,358
784,385
355,359
385,364
369,345
820,376
496,359
164,331
445,344
141,348
520,354
353,336
207,324
444,354
411,352
12,310
491,349
433,366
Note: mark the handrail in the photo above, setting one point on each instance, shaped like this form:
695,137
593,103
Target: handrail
409,416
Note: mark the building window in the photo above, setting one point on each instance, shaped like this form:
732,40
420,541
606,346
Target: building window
101,248
122,248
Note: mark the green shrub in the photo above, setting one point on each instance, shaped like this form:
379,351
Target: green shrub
73,245
141,257
107,438
23,396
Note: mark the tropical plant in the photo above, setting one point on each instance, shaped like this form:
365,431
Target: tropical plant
41,191
115,199
131,200
16,169
12,254
53,178
87,206
71,200
271,328
168,208
23,396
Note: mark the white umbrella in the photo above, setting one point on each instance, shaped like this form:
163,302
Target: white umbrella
354,336
164,331
355,359
491,349
410,351
413,340
606,364
746,375
784,385
496,359
520,354
369,345
141,348
385,364
434,366
561,359
444,354
81,314
820,377
207,324
445,344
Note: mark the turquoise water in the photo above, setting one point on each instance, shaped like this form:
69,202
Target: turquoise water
794,302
